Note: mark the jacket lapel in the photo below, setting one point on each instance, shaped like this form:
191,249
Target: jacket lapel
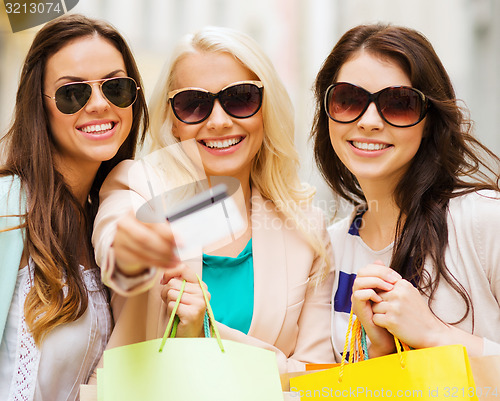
270,270
12,203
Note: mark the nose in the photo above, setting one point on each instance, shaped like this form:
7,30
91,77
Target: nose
218,117
97,101
371,119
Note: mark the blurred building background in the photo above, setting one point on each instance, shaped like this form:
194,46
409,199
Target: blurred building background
297,35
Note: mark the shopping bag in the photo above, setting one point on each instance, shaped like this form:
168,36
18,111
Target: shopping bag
437,373
189,369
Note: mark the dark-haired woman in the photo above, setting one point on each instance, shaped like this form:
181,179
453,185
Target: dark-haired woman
79,111
419,254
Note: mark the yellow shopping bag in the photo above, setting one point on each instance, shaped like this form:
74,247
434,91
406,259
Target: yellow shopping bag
189,369
438,373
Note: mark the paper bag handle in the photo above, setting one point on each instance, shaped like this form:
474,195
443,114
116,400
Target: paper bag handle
211,317
356,336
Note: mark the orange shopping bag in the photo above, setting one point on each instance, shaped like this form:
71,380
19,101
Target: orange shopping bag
438,373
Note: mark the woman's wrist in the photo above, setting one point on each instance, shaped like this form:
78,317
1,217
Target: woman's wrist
131,271
449,335
375,351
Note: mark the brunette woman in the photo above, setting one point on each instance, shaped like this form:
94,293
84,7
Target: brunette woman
419,254
79,111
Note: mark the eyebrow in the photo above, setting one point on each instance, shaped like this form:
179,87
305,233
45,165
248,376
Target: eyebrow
72,78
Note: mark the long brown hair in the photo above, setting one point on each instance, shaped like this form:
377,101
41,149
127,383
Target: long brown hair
450,161
57,227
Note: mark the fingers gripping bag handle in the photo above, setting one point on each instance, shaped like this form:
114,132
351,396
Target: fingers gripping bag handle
189,369
424,374
209,318
355,340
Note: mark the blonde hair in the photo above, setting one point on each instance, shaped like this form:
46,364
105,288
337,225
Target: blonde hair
274,171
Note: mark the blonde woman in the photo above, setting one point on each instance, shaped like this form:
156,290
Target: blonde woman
270,286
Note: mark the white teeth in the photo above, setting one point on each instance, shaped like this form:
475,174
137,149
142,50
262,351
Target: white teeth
226,143
369,146
97,128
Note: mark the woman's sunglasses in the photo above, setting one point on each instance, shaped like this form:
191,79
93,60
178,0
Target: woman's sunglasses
399,106
72,97
194,105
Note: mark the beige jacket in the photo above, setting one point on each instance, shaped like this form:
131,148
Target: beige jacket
291,316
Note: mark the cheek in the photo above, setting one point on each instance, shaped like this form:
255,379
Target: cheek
335,134
128,118
59,123
259,129
175,130
184,132
52,115
256,127
413,141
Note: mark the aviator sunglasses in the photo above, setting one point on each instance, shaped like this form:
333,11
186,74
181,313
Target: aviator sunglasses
72,97
399,106
194,105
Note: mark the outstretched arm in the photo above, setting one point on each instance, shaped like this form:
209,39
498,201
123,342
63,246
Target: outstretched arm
129,250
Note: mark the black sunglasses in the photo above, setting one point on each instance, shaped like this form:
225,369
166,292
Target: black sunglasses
194,105
399,106
72,97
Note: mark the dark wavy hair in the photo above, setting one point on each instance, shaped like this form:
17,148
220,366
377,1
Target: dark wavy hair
450,161
58,228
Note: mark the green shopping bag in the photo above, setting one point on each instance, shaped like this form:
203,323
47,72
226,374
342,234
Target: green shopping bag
189,369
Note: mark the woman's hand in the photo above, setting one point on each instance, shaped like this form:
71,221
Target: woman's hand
371,282
192,306
404,312
388,306
139,245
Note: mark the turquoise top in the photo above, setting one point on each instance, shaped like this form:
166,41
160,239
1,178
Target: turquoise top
230,283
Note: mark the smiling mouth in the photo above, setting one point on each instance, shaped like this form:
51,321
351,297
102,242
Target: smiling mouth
369,146
98,128
221,144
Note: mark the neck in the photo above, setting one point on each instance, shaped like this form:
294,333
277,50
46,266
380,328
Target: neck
379,221
79,181
242,197
247,192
